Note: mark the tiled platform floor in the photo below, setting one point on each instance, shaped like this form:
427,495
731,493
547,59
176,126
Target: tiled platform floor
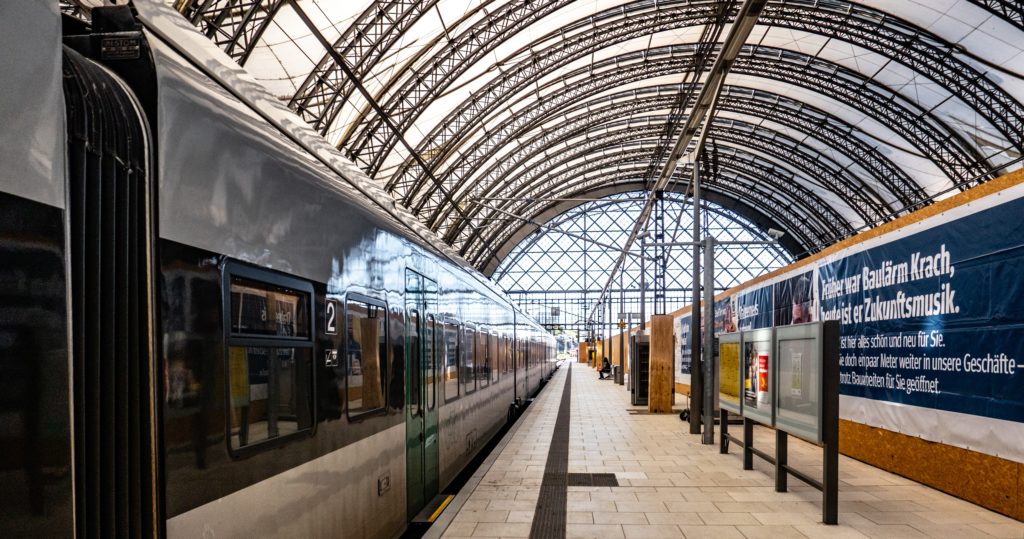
672,486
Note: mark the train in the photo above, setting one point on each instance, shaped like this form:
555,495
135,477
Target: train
212,324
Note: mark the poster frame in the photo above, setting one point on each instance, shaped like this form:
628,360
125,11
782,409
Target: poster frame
731,338
756,414
799,332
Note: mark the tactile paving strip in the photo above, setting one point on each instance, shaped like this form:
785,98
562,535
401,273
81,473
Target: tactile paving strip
549,517
593,480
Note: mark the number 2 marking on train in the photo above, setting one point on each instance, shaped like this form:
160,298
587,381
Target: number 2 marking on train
332,317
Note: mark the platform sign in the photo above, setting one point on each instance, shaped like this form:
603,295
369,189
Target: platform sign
798,405
758,370
729,372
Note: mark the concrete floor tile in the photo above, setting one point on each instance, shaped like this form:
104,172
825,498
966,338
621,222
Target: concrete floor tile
616,496
790,519
729,519
895,531
651,531
620,518
481,516
511,505
711,532
741,507
594,531
1006,530
951,517
591,506
770,532
821,531
674,518
691,507
460,529
653,506
502,529
900,518
520,516
579,517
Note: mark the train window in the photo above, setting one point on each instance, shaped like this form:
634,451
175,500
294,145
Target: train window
267,310
395,396
483,355
493,357
430,346
415,355
506,354
269,358
366,348
451,361
468,357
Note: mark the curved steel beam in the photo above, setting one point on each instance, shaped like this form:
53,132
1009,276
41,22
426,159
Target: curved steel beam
369,144
1010,11
821,221
960,163
233,25
873,27
914,47
364,43
636,134
782,110
521,230
561,213
610,110
840,85
734,191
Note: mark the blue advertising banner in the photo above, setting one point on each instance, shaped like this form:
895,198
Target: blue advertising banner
725,316
754,309
794,303
935,319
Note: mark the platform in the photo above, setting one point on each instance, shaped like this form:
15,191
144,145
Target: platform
672,486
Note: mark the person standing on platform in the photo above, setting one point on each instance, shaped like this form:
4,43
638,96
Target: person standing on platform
606,368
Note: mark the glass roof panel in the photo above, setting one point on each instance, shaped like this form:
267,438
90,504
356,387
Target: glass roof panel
988,50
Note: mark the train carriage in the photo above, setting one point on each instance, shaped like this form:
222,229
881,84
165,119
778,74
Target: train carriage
211,323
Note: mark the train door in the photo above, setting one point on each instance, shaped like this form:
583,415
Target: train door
110,212
421,394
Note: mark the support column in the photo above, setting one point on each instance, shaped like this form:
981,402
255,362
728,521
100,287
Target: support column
659,399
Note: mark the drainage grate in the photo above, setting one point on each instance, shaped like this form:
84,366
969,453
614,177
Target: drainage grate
550,516
593,480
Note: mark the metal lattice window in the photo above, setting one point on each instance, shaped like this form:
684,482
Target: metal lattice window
558,276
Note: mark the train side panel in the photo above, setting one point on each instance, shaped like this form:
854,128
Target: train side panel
36,497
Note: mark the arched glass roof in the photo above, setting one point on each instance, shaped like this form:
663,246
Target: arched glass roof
835,116
558,272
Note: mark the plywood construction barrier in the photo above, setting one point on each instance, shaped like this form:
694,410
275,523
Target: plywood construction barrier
659,399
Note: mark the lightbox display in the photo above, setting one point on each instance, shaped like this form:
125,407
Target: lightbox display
758,364
799,382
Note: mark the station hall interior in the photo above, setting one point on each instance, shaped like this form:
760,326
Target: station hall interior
512,268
